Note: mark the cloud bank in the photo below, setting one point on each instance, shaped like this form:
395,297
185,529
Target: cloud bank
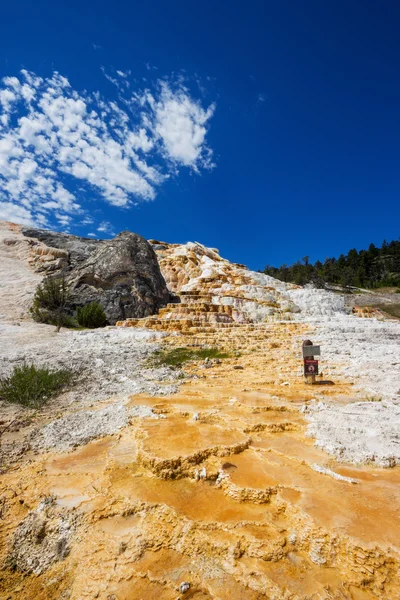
59,147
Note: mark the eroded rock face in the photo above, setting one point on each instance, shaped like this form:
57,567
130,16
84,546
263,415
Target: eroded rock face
122,274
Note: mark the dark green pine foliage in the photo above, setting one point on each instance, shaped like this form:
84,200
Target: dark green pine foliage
91,315
372,268
50,303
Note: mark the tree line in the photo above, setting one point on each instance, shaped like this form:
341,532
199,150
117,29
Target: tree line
372,268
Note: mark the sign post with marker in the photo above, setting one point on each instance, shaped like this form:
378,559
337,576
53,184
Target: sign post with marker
310,363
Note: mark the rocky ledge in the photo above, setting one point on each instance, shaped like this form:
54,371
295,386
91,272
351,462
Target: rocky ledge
121,274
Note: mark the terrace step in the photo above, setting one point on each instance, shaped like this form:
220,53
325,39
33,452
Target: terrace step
196,314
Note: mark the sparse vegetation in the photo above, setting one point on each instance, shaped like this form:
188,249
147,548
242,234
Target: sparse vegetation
176,357
32,386
91,315
50,303
391,309
372,268
373,398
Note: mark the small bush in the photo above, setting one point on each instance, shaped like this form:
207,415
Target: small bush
91,315
31,386
50,303
176,357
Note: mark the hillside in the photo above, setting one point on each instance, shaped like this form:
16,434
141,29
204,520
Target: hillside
222,477
372,268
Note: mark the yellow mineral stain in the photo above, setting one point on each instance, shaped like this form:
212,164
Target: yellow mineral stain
200,501
259,523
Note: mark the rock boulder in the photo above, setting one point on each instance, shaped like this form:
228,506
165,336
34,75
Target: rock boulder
121,274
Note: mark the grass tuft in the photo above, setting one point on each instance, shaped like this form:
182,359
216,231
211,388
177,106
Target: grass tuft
373,398
176,357
31,386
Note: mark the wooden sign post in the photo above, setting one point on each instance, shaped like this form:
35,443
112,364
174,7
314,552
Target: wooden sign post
310,363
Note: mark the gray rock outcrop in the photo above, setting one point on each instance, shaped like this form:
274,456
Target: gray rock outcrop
121,274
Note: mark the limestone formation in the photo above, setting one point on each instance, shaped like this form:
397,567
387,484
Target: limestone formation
213,292
131,486
42,538
162,502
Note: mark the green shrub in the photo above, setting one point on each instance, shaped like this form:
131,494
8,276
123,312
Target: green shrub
32,386
91,315
176,357
50,303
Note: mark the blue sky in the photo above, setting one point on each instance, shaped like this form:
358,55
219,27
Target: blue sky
267,129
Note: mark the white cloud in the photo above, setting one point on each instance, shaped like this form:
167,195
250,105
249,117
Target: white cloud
181,125
63,219
12,82
7,98
55,140
106,227
17,214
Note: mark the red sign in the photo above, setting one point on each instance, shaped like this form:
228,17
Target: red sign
310,366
